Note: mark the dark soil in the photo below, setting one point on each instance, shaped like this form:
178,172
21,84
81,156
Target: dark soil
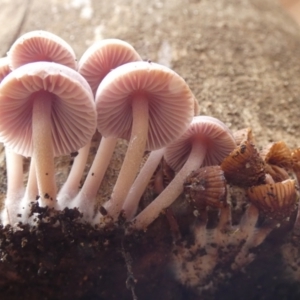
63,258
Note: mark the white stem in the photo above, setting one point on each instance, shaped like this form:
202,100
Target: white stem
14,173
132,200
15,188
71,187
173,190
31,191
43,149
133,157
85,200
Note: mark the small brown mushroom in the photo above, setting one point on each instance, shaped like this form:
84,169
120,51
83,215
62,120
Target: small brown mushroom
278,159
278,154
206,187
243,166
276,201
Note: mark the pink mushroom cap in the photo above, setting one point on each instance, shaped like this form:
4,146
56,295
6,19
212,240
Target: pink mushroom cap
171,102
211,132
103,56
73,110
41,45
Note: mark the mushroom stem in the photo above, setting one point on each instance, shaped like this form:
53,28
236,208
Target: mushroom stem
132,200
43,149
31,193
173,190
71,187
133,157
255,236
14,170
248,221
15,188
85,200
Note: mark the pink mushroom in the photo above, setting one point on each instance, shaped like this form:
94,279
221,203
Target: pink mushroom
41,45
31,47
206,142
46,110
146,103
94,65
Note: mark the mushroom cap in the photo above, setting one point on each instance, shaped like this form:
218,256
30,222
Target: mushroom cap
103,56
171,102
73,109
211,132
276,200
244,166
206,187
41,45
278,154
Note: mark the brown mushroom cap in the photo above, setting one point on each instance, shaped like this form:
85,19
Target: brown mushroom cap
276,200
103,56
278,154
41,45
73,110
243,166
212,133
171,102
206,187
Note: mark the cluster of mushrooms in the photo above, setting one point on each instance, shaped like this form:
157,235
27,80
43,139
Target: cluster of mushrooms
51,105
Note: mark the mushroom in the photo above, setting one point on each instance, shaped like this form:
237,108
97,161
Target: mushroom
278,159
46,110
97,61
277,202
206,187
35,46
244,166
206,142
150,105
